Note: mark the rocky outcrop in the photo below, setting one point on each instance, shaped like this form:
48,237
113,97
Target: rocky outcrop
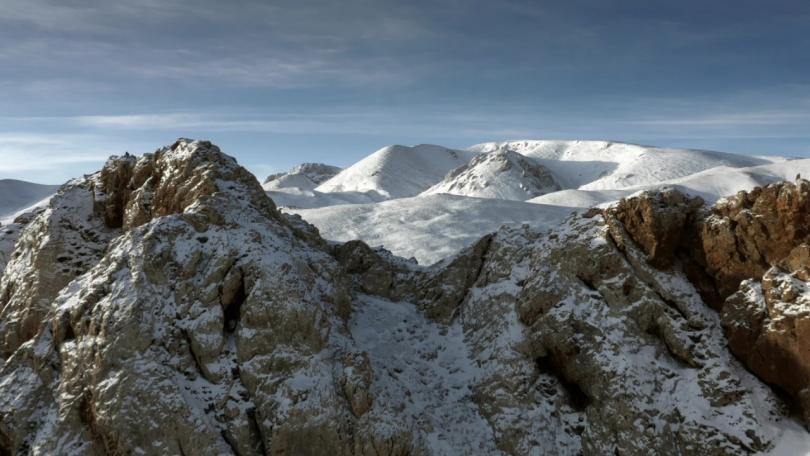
186,331
751,231
659,222
164,306
617,348
749,257
129,192
768,325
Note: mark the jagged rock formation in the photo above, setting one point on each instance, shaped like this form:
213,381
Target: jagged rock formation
502,174
751,231
164,306
752,256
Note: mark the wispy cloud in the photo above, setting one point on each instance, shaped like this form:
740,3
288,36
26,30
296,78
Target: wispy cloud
732,119
26,152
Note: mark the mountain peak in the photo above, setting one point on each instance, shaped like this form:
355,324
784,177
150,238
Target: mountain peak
305,176
129,191
502,174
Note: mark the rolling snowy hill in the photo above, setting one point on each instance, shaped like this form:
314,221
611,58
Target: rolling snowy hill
711,184
397,171
604,165
398,196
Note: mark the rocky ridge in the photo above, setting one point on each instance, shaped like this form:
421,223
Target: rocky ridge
164,306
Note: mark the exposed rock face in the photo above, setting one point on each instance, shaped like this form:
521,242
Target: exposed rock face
658,222
752,249
768,326
751,231
164,306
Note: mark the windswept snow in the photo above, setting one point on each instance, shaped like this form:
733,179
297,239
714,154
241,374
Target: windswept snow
711,184
429,227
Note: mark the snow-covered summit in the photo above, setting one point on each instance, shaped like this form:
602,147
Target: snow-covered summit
305,176
502,174
397,171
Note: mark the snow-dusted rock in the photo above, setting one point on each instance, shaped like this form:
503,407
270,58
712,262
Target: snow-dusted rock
502,174
305,176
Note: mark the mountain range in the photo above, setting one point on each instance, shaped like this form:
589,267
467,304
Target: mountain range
513,298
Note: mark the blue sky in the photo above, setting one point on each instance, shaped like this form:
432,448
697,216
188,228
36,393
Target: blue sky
275,83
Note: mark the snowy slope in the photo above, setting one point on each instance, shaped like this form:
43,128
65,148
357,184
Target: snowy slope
711,184
604,165
502,174
429,227
294,198
305,176
407,350
397,171
17,195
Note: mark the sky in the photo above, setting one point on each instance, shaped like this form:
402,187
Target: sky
276,83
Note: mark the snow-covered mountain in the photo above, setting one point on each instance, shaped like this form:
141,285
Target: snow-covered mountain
605,165
164,305
397,171
571,175
501,174
305,176
16,195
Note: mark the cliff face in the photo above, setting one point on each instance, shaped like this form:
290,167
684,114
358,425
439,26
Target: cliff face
751,259
164,306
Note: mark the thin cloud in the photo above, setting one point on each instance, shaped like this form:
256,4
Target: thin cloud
741,119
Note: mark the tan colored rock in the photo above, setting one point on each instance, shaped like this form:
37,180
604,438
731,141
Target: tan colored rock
657,221
752,231
768,327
